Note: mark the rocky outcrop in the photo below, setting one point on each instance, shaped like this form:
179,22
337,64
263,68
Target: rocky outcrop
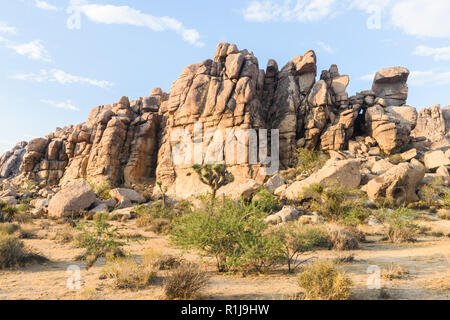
118,144
72,199
10,161
220,107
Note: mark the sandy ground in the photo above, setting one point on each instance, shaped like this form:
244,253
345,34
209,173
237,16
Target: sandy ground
427,261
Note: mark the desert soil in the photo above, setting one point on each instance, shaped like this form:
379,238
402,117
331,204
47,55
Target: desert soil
427,261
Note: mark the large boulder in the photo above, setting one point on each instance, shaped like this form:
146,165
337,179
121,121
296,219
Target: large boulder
342,173
70,200
390,84
10,161
287,214
122,194
399,183
436,159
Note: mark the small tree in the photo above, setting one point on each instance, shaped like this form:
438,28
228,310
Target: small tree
163,190
214,175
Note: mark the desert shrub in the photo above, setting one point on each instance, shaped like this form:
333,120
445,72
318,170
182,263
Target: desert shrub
265,201
7,213
100,240
13,253
309,161
395,159
393,272
342,259
342,239
64,235
99,216
297,239
430,192
2,205
337,204
446,198
400,224
213,175
444,215
101,189
8,228
185,282
234,234
23,206
27,233
168,262
157,217
128,274
22,217
323,280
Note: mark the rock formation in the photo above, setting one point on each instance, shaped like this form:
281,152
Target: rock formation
212,105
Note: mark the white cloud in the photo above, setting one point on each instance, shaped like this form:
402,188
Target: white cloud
423,18
68,105
300,10
59,76
110,14
429,78
325,47
368,77
438,54
44,5
6,28
34,50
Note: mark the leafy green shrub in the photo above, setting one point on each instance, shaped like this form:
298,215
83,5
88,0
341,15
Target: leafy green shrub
129,274
102,216
185,282
265,201
234,234
101,190
23,207
446,198
99,242
13,253
337,204
297,239
323,280
400,224
310,161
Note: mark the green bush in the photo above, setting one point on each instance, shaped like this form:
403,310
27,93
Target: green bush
310,161
265,201
323,280
234,234
99,240
101,190
337,204
400,224
297,239
429,192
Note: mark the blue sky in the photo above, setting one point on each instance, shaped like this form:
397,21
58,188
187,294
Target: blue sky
60,58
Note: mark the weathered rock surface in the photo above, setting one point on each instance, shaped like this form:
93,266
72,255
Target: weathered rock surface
390,84
436,159
399,183
10,161
342,173
70,200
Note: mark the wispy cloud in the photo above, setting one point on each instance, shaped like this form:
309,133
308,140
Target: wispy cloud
429,78
6,28
326,47
438,54
33,50
68,105
62,77
300,10
45,5
110,14
368,77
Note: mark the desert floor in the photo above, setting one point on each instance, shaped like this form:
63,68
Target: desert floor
427,261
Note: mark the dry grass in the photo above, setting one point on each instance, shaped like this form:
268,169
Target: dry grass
394,272
128,274
13,253
323,280
63,236
341,239
344,258
444,215
185,282
8,228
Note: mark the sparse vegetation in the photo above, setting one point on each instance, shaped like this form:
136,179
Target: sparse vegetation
64,235
341,239
400,224
309,161
265,200
323,280
128,274
158,218
430,192
214,175
185,282
99,242
13,253
337,204
297,239
8,228
393,272
7,212
101,189
163,190
444,215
